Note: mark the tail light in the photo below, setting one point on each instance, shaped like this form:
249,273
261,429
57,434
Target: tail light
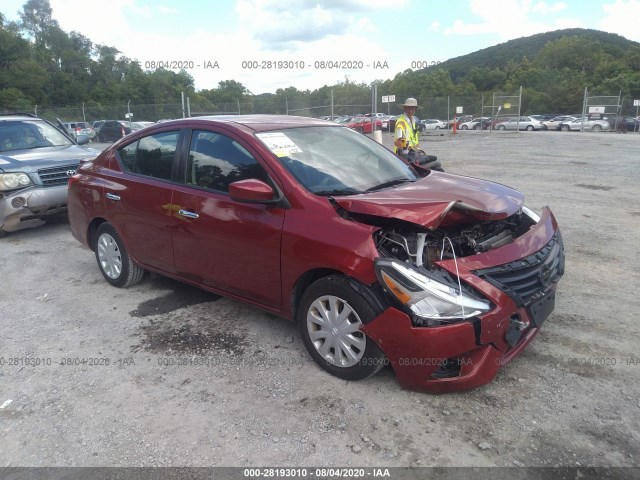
122,131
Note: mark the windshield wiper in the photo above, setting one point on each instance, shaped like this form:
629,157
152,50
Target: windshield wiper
388,184
337,192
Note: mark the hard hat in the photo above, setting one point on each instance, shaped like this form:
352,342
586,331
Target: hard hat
410,102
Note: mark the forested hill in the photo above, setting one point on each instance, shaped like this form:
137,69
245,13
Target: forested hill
530,47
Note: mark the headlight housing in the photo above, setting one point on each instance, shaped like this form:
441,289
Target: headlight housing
431,297
13,181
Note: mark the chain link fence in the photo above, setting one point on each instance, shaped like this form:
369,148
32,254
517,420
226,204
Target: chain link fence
497,105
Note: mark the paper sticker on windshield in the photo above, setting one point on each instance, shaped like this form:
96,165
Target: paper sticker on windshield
279,143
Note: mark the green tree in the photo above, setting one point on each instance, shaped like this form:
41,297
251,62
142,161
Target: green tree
37,20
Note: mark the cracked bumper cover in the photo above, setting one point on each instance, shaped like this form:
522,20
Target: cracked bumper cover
26,208
416,353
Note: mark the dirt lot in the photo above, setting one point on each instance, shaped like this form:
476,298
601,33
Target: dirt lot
142,399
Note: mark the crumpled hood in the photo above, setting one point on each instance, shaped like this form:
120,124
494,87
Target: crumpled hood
431,199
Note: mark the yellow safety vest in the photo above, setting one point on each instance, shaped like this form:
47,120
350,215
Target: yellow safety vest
411,132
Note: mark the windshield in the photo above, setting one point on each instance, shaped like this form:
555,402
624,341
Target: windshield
336,160
24,134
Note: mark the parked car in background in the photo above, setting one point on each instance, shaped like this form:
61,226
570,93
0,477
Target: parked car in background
588,124
364,124
544,117
473,124
624,123
556,122
377,261
113,130
519,123
432,124
460,120
343,120
36,161
80,128
97,124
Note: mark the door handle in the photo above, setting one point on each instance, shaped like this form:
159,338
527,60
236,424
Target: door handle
112,196
188,214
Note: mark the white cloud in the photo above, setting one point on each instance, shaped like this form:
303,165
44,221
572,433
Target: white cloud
544,8
280,24
511,19
434,27
168,10
621,17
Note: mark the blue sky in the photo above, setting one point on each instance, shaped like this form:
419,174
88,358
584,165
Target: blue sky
367,33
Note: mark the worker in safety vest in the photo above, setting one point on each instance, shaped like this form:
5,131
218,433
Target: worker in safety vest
406,133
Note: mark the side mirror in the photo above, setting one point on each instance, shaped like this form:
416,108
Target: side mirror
252,191
82,139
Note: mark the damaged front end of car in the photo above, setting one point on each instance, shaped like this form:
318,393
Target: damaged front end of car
468,289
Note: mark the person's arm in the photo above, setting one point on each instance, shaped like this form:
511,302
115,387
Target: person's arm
400,141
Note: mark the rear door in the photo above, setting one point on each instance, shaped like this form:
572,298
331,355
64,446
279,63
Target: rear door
138,197
221,243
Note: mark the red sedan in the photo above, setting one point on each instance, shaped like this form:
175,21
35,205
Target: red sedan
379,262
363,124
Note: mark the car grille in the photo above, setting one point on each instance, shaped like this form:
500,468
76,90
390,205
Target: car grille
523,279
56,175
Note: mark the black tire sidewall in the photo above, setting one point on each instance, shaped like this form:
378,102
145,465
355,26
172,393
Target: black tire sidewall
338,285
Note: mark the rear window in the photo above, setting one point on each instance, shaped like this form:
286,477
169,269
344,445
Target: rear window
151,156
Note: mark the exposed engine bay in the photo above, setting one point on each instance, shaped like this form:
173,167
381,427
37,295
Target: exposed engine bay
423,247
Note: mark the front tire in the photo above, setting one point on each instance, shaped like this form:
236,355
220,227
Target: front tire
113,260
330,315
501,127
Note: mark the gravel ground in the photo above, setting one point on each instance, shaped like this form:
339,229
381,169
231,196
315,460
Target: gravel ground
163,374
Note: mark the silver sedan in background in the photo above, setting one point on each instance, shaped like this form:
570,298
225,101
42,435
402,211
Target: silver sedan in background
592,125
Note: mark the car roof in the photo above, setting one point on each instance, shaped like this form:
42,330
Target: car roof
257,123
18,117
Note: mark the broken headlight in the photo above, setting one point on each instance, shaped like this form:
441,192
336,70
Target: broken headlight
429,296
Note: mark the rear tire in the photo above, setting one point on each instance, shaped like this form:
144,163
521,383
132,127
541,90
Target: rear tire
113,260
564,128
597,128
329,316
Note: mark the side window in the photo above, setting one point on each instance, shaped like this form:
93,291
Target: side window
216,160
128,156
151,156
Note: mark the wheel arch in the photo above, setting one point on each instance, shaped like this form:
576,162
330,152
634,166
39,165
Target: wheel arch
92,228
373,294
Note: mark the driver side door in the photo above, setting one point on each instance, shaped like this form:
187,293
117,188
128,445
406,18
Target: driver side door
217,241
